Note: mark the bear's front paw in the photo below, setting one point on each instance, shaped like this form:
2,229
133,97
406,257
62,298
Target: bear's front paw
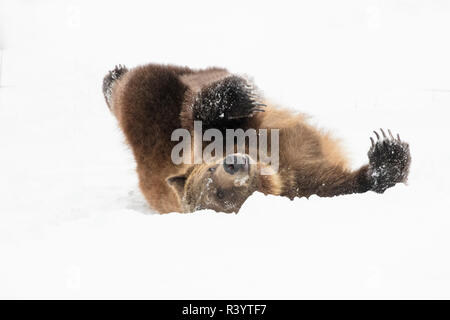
389,160
237,97
227,99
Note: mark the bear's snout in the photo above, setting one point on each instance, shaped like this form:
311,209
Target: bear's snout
235,162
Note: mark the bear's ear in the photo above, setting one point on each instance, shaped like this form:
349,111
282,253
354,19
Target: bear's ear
178,183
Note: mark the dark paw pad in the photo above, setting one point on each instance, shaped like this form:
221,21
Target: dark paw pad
389,160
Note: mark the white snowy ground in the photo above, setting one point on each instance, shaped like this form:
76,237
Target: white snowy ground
74,225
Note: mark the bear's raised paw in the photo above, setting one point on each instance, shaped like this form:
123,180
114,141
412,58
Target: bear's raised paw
227,99
389,160
109,79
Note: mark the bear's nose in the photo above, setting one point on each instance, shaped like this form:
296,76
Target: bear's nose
235,162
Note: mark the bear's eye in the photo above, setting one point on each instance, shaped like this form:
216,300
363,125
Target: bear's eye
212,169
220,194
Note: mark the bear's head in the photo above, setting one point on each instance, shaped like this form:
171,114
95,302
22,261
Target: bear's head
223,185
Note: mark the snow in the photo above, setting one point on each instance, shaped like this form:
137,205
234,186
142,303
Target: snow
241,181
73,223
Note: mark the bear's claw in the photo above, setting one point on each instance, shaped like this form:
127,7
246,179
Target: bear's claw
117,72
110,78
389,160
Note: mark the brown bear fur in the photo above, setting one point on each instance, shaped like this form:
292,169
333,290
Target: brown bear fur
151,101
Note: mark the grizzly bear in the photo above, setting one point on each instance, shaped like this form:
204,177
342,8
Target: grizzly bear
152,101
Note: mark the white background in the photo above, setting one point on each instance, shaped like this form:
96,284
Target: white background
74,225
